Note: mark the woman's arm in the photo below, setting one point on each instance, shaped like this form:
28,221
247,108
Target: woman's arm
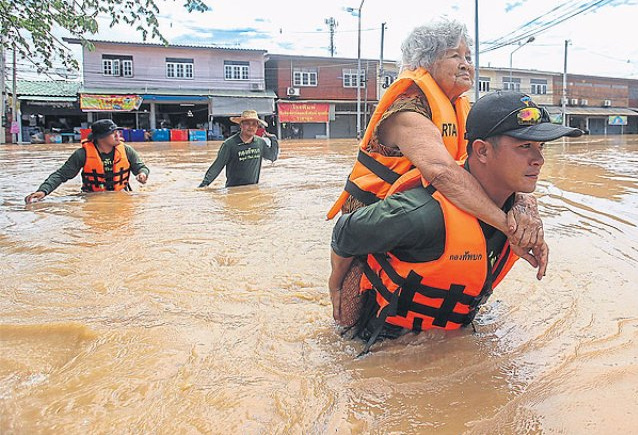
420,141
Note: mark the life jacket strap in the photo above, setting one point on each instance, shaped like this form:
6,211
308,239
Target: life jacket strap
122,176
377,168
387,311
109,181
92,179
358,193
412,285
501,261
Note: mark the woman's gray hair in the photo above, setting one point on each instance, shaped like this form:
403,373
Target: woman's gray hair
427,44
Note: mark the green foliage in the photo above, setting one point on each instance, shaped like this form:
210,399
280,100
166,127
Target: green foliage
28,25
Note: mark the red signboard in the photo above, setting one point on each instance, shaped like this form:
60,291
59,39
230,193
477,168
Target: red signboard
304,112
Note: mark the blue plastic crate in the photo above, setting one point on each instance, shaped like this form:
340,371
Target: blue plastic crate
161,135
137,135
196,135
126,134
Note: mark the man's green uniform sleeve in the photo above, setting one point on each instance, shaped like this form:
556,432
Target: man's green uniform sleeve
410,224
271,152
223,156
69,170
134,159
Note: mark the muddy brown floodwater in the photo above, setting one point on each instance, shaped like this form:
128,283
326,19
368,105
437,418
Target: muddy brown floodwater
174,310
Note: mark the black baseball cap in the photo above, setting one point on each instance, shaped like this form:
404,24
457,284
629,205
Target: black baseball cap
102,128
513,114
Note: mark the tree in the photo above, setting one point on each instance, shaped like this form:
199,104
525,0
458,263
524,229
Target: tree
28,25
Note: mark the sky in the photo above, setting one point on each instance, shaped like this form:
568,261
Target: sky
602,40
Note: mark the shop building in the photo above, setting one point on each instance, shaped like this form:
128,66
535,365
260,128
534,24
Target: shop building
596,105
48,111
317,96
151,86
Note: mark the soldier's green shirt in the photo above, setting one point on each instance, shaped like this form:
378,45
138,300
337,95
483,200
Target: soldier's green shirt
75,163
242,160
408,224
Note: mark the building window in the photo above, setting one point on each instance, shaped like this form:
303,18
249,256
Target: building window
235,70
304,77
539,86
179,68
511,84
127,68
117,65
350,78
484,84
107,67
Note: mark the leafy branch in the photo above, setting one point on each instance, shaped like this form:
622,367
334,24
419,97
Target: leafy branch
27,25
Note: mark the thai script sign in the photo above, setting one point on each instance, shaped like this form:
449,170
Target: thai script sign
304,112
109,103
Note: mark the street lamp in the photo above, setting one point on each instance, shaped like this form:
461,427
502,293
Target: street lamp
358,66
563,100
531,39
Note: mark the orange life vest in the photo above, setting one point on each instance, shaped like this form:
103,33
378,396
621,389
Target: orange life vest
94,178
373,173
443,293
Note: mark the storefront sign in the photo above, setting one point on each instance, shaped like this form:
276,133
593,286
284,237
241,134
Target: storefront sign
304,112
109,103
617,120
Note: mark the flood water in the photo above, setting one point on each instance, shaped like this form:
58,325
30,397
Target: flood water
176,310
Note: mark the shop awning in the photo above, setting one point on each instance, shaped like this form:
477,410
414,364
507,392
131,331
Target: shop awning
231,106
175,98
45,98
225,102
592,111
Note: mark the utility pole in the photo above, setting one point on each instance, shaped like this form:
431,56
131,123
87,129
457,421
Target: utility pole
332,25
14,99
365,104
359,71
3,113
476,50
564,98
381,70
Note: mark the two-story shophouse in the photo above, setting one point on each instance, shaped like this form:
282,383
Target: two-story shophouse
149,86
322,96
538,84
597,105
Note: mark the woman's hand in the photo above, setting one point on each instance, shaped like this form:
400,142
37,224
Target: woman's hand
537,257
524,222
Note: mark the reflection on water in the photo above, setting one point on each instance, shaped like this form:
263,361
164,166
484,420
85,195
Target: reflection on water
173,309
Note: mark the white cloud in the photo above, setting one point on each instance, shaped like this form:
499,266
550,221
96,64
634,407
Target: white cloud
601,41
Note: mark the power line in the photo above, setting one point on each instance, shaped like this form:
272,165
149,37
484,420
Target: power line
572,9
